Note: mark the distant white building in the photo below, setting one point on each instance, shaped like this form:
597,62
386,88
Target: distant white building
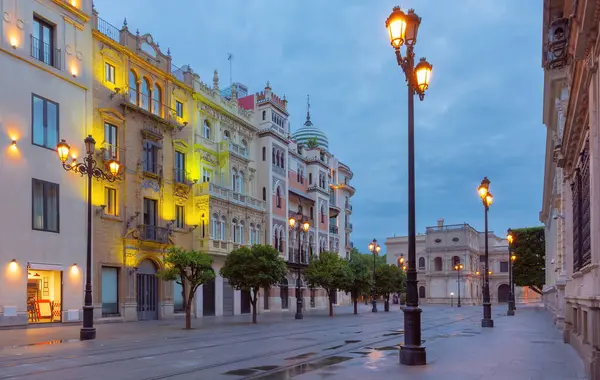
441,248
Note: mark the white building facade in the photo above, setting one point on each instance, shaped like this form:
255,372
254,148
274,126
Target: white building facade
441,249
45,54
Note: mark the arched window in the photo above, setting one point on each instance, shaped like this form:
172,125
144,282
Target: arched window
455,261
215,227
322,214
251,234
278,197
273,159
282,161
275,238
264,194
133,88
145,101
157,100
438,264
421,263
241,232
245,146
241,183
281,240
257,234
226,135
277,159
223,229
422,292
264,115
207,133
264,151
234,180
234,230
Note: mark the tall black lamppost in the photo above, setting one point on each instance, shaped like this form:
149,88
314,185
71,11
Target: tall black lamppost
512,257
88,167
403,28
457,268
486,198
299,225
374,248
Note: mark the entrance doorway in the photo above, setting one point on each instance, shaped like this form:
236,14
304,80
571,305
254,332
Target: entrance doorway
245,302
147,291
208,298
503,291
227,298
44,296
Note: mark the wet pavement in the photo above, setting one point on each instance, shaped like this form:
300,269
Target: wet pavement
347,346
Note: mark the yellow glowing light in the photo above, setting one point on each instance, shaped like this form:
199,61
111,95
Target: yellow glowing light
62,148
371,247
13,144
510,238
477,273
396,26
305,226
489,199
74,269
404,267
423,74
513,257
14,42
74,3
401,258
378,248
113,167
292,222
13,266
74,71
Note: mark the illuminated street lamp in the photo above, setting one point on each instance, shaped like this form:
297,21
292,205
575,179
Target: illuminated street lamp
297,224
403,29
487,199
374,248
88,167
457,268
511,281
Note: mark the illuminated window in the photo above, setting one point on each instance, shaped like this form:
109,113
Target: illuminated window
43,44
45,206
109,73
179,216
110,200
157,100
110,142
179,108
206,175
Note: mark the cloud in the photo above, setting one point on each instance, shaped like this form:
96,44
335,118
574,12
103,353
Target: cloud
481,116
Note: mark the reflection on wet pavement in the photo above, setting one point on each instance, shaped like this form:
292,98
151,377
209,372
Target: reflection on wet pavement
301,369
48,342
303,356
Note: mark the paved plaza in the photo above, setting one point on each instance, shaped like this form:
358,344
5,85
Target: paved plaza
346,346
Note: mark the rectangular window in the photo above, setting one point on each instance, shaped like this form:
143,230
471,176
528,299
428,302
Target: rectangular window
109,72
206,175
110,142
42,43
151,158
110,200
177,297
110,291
44,116
45,206
150,211
179,216
179,167
179,108
504,266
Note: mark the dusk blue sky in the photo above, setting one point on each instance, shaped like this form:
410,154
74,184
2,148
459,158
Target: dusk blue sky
481,116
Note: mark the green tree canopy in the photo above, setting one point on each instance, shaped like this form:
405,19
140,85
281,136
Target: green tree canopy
190,269
250,269
330,272
529,246
389,279
360,281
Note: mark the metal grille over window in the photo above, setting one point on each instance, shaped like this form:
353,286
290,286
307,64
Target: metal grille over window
581,211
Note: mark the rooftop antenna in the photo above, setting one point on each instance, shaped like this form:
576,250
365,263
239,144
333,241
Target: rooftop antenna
230,59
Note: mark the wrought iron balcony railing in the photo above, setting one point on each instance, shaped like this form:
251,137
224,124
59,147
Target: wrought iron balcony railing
153,233
46,53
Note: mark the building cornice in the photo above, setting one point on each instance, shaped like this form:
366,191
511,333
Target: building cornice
74,10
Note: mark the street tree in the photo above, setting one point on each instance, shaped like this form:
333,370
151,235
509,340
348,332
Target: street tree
360,279
389,279
252,268
190,269
529,246
330,272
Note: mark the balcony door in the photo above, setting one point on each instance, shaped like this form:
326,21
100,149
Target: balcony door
150,218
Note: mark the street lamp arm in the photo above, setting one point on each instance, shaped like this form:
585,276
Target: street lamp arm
90,168
407,64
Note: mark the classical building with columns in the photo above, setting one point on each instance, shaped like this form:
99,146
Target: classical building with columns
441,248
571,191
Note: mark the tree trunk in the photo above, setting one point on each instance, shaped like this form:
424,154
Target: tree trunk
386,305
188,317
330,303
355,306
253,304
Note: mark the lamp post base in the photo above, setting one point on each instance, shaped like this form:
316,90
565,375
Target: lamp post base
87,333
299,314
458,304
487,322
374,310
413,355
510,312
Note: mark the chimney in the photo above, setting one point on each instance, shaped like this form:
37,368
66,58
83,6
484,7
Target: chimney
440,223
